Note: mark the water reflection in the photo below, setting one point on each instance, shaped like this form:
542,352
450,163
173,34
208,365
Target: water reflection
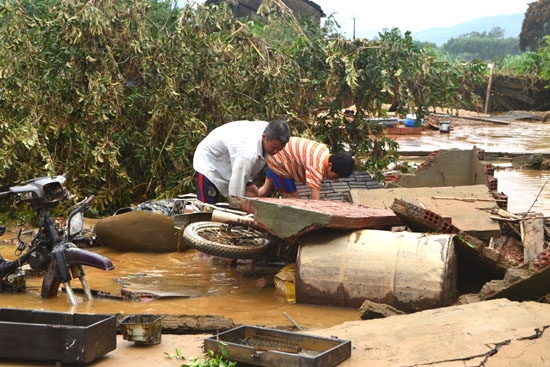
527,190
516,137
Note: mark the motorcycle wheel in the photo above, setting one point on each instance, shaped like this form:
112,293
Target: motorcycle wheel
224,240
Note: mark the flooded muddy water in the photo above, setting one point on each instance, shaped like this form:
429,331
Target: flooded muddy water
193,283
514,137
527,189
188,283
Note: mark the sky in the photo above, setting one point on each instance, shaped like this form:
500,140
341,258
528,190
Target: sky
371,16
366,18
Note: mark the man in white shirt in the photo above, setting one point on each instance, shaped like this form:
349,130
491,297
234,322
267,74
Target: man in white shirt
231,156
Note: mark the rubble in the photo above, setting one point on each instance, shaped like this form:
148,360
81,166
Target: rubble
455,192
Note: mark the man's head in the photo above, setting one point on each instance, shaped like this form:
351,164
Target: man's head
275,136
340,165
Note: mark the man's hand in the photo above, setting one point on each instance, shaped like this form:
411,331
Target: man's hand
251,191
315,194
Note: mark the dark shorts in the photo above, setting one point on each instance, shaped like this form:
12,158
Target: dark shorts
207,192
282,184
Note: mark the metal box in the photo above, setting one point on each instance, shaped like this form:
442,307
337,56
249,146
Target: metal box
54,336
142,329
274,348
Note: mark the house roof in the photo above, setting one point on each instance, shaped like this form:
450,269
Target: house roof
299,7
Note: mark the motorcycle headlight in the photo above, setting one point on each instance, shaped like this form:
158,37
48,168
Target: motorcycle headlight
76,223
53,192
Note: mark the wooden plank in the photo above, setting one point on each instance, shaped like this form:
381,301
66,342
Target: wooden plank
501,99
516,95
404,130
496,121
532,236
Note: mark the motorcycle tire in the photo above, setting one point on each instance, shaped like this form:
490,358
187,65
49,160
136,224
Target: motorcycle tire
224,240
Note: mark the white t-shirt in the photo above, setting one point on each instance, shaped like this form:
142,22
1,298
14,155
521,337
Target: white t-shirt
231,155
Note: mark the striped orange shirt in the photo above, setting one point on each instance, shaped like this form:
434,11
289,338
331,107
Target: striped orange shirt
303,160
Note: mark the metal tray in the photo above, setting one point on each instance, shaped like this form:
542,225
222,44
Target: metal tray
259,346
55,337
142,329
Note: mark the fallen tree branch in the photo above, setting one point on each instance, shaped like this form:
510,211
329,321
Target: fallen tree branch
537,197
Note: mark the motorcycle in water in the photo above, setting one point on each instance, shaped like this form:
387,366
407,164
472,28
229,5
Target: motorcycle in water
52,250
223,232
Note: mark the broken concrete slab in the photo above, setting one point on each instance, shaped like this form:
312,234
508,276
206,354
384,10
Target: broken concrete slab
372,310
451,167
519,284
291,218
142,294
480,334
468,207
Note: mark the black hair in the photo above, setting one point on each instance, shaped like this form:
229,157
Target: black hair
277,130
342,164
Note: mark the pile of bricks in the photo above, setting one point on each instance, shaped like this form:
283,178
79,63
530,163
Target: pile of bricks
542,260
339,190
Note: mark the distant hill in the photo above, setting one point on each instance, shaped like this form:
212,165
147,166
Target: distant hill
510,23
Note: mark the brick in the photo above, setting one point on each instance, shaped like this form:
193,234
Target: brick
492,183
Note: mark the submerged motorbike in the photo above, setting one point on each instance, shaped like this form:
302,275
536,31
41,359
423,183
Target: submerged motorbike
52,250
223,232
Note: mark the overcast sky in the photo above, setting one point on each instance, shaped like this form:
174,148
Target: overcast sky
372,16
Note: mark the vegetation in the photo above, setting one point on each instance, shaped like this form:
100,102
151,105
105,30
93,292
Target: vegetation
486,46
210,358
118,93
536,26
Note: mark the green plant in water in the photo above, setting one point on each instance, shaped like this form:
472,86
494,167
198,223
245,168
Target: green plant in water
209,359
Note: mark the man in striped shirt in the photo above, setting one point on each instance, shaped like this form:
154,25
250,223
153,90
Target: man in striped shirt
229,158
307,162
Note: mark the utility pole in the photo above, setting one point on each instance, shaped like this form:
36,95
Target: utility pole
354,18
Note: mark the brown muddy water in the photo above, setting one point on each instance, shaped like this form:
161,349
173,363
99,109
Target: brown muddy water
527,189
194,283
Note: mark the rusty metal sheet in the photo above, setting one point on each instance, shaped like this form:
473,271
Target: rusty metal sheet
259,346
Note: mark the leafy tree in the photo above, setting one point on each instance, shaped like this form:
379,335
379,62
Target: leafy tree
544,53
118,93
487,46
536,26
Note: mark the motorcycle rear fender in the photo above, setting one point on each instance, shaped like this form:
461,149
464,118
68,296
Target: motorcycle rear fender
64,258
77,256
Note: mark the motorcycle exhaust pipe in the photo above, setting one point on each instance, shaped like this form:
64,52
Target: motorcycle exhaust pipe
235,219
